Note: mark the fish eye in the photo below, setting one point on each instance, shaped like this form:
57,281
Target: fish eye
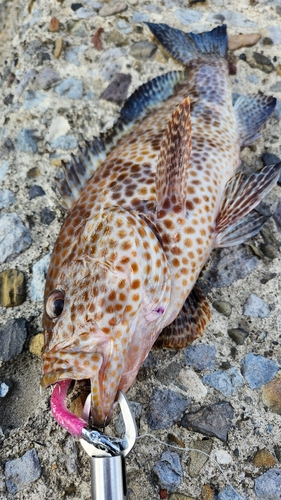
55,303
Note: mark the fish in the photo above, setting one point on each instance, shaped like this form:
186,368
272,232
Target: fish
148,201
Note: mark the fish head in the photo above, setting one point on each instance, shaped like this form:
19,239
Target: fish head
104,308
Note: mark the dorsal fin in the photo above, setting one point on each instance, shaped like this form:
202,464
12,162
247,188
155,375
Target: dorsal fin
173,162
144,99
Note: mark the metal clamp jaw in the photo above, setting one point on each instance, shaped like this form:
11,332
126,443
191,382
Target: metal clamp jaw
107,454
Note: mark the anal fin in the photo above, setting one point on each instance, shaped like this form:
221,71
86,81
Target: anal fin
189,324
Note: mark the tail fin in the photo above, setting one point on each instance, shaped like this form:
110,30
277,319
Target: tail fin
186,47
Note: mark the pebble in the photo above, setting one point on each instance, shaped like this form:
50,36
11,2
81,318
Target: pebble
259,61
143,50
225,381
47,216
207,493
168,470
276,87
58,47
76,6
263,458
197,459
12,338
7,198
253,79
270,159
26,141
140,17
201,356
117,90
85,13
54,25
238,41
72,54
188,16
269,251
28,75
268,486
64,142
22,471
39,272
4,169
168,374
12,288
59,126
112,62
14,237
228,266
171,404
213,420
238,335
222,457
46,78
4,389
232,18
36,344
193,385
79,29
271,395
229,493
70,453
277,216
222,307
71,88
255,307
35,191
258,370
36,99
113,8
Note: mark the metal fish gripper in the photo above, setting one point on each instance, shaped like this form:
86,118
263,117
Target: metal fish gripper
108,454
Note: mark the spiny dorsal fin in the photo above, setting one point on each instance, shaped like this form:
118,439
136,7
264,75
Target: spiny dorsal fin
173,162
144,99
252,112
234,225
189,324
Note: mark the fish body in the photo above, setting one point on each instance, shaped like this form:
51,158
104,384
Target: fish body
139,231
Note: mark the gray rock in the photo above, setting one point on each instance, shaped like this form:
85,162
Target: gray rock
143,50
268,485
117,90
35,99
238,335
188,16
135,408
70,453
229,265
225,381
255,307
14,237
22,471
274,33
213,420
253,79
277,215
47,216
72,88
64,142
113,8
258,370
166,408
85,13
222,307
198,455
39,272
124,27
168,470
72,55
140,17
26,141
12,338
270,159
201,356
259,61
7,198
233,18
169,373
276,87
229,493
35,191
4,389
28,75
3,169
46,78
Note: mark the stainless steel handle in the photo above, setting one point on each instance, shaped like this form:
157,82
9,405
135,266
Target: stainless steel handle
108,478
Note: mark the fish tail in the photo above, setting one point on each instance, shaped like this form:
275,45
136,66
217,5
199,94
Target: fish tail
187,47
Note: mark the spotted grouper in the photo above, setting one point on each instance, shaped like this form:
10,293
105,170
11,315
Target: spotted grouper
148,202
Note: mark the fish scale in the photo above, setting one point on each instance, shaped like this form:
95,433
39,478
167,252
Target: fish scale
149,202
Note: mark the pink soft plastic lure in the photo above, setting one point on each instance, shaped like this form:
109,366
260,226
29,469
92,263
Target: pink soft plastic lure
148,202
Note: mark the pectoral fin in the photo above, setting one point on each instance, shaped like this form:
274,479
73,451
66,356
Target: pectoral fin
235,224
173,162
189,324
